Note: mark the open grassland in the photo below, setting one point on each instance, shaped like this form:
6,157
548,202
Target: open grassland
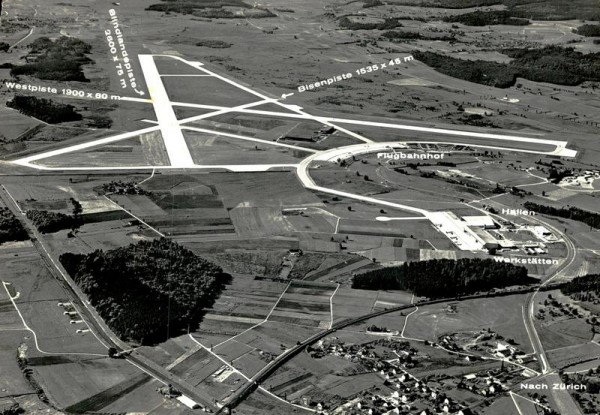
503,315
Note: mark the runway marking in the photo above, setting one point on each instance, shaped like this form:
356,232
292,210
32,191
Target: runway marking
177,149
179,152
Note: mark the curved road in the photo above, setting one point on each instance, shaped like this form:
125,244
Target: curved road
269,369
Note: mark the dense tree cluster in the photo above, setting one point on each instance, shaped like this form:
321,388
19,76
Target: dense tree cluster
58,60
44,109
10,227
495,74
528,9
555,175
371,3
396,35
49,222
556,65
485,18
214,44
443,277
123,188
591,381
4,47
589,218
401,36
147,290
190,6
589,30
587,284
387,24
553,64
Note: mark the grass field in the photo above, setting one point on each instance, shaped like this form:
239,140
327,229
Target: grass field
503,315
127,152
12,382
15,124
215,92
208,149
573,356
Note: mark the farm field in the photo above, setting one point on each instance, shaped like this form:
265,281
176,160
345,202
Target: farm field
570,358
211,125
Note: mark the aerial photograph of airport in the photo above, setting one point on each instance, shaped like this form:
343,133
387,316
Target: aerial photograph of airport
296,207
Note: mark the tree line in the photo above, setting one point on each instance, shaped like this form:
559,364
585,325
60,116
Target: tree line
149,290
49,222
44,109
438,278
387,24
589,218
486,18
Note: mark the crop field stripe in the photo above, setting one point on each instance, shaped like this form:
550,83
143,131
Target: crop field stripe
290,382
256,325
108,396
134,216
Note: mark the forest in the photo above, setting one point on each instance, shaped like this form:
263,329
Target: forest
10,227
553,64
586,284
58,60
440,278
191,6
44,109
485,18
147,291
589,218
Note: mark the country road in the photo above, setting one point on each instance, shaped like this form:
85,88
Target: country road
96,324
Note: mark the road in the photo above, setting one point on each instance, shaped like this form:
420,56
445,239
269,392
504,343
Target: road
275,364
563,398
179,155
96,324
